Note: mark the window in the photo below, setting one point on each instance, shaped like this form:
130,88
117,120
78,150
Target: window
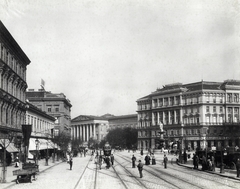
221,109
229,96
49,108
207,98
235,98
214,108
56,108
207,108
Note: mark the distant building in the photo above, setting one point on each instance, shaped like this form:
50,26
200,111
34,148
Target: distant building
123,121
198,115
55,105
85,127
13,85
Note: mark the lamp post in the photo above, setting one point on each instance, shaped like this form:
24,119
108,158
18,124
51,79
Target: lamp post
37,148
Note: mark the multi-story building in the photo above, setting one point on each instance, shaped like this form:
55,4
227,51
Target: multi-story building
13,85
200,115
55,105
123,121
42,128
85,127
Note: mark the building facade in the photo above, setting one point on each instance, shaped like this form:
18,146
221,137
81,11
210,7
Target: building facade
199,115
55,105
123,121
13,85
42,128
85,127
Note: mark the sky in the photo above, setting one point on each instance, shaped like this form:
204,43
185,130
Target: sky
104,55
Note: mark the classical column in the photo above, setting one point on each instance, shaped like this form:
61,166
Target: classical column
94,130
83,133
91,126
77,131
87,132
80,133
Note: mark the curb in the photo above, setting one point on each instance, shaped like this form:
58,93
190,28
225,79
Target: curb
211,172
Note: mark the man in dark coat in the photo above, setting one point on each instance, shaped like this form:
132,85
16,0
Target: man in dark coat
112,159
70,163
140,168
133,161
107,160
238,167
165,160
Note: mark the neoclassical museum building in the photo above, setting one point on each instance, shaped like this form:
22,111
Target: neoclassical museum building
198,115
13,85
85,127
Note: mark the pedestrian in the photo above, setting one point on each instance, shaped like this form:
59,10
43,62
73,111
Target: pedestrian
70,163
194,161
17,162
213,163
147,160
133,161
141,152
140,168
112,159
153,160
197,161
204,163
107,160
165,160
209,165
185,156
100,161
238,167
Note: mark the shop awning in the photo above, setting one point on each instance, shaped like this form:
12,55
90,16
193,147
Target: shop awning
43,144
10,146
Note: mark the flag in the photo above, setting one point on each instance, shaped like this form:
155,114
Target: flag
42,83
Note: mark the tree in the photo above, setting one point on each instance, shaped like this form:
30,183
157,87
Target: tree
124,137
63,140
93,143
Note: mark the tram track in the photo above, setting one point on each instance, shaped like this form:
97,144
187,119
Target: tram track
81,176
132,176
169,181
207,177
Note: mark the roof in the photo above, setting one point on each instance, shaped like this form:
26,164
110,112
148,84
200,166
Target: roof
10,41
87,118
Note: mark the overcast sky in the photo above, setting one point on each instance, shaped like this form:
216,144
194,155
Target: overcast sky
105,54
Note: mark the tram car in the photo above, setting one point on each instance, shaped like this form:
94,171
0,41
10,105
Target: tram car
107,149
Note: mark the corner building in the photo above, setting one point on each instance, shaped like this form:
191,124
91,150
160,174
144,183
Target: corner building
55,105
13,85
198,115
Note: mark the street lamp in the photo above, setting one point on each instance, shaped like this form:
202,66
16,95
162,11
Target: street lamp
37,147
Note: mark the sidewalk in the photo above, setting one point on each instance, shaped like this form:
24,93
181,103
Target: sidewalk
228,173
11,179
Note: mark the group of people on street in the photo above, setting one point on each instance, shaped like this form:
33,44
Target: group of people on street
147,162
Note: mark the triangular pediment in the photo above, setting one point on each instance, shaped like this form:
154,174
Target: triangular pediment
82,118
